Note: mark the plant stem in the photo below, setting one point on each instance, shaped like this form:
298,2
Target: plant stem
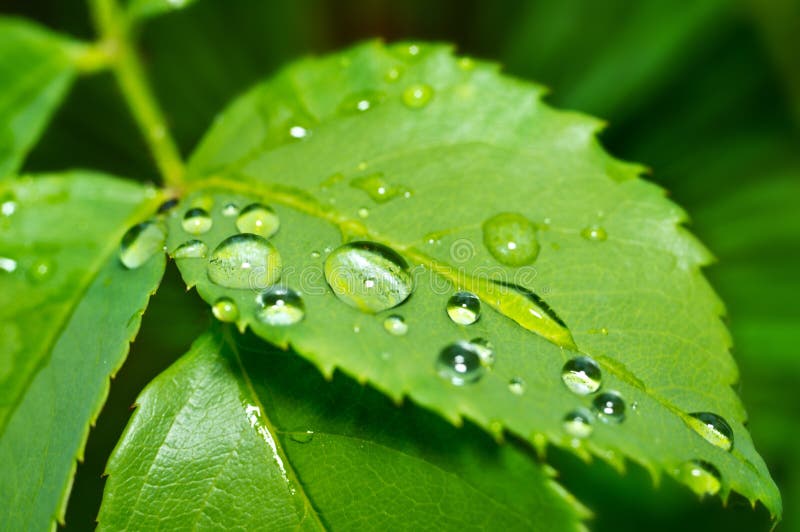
114,29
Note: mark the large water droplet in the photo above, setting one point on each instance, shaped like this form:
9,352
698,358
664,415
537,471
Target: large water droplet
582,375
376,187
578,423
196,221
702,477
460,363
594,233
368,276
141,242
191,249
244,261
225,309
610,407
280,306
361,101
713,428
417,96
395,325
511,239
464,308
259,220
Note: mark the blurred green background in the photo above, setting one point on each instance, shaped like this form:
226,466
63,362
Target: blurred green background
706,93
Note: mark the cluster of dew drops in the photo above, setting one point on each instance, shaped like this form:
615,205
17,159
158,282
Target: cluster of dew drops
372,277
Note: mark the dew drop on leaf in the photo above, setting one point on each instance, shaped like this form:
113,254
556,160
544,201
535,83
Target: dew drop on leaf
485,350
41,270
8,265
396,325
259,220
394,74
703,478
516,386
302,437
196,221
191,249
578,423
376,187
417,96
511,239
460,363
368,276
466,64
581,375
464,308
610,407
167,205
141,242
224,309
230,209
363,212
298,132
713,428
244,261
594,233
280,306
361,101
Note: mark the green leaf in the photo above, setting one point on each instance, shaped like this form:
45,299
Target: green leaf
69,310
141,9
452,145
251,440
37,68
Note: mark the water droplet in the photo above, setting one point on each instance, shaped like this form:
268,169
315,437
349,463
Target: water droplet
578,423
196,221
361,101
464,308
41,270
485,350
702,477
141,242
8,265
394,74
417,96
8,207
302,437
315,254
230,209
516,385
368,276
363,212
466,64
225,309
167,205
191,249
460,363
407,51
395,325
610,407
582,375
244,261
259,220
602,330
594,233
713,428
376,187
511,239
298,132
280,306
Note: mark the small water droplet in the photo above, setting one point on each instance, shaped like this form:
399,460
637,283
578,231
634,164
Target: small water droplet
394,74
466,64
703,478
516,385
713,428
315,254
280,306
8,207
582,375
167,205
407,51
460,363
361,101
8,265
298,132
464,308
594,233
191,249
141,242
225,309
363,212
259,220
244,261
376,187
417,96
230,210
395,325
349,267
41,270
302,437
578,423
602,330
196,221
511,239
610,407
485,350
